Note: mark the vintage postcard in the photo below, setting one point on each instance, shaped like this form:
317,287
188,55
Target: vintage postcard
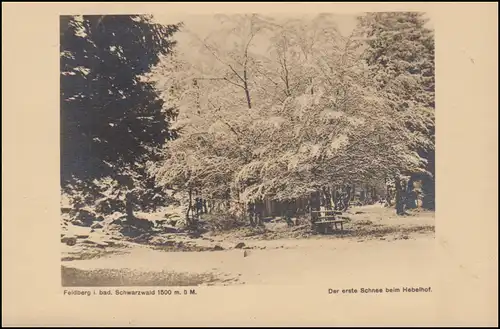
249,164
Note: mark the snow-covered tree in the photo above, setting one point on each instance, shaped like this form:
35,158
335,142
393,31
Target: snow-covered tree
112,121
400,57
318,119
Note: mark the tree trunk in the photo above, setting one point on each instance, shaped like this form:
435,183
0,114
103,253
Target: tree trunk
205,210
190,206
347,197
388,194
259,212
334,197
129,206
250,213
428,190
399,197
429,183
328,198
247,95
411,197
210,206
314,206
369,192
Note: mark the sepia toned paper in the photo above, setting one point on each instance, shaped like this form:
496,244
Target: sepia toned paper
463,270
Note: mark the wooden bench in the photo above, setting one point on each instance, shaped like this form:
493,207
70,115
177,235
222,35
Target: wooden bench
326,224
328,220
333,212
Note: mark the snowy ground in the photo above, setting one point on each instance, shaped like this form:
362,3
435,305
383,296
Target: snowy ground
376,244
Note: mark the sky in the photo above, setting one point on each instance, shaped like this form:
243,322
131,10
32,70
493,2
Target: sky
202,25
205,23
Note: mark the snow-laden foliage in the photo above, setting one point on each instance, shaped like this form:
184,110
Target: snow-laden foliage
400,59
112,120
317,117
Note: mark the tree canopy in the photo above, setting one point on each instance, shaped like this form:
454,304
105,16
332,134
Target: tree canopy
268,108
112,119
318,116
400,56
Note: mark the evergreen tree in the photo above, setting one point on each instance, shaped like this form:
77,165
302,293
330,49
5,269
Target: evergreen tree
112,120
400,56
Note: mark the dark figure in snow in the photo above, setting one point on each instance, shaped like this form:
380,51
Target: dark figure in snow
198,205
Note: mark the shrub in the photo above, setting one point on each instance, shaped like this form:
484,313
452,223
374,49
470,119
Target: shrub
222,221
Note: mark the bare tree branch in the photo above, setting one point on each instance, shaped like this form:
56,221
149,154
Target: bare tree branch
217,57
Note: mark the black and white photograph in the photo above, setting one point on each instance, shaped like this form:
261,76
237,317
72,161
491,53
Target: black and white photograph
249,164
246,149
